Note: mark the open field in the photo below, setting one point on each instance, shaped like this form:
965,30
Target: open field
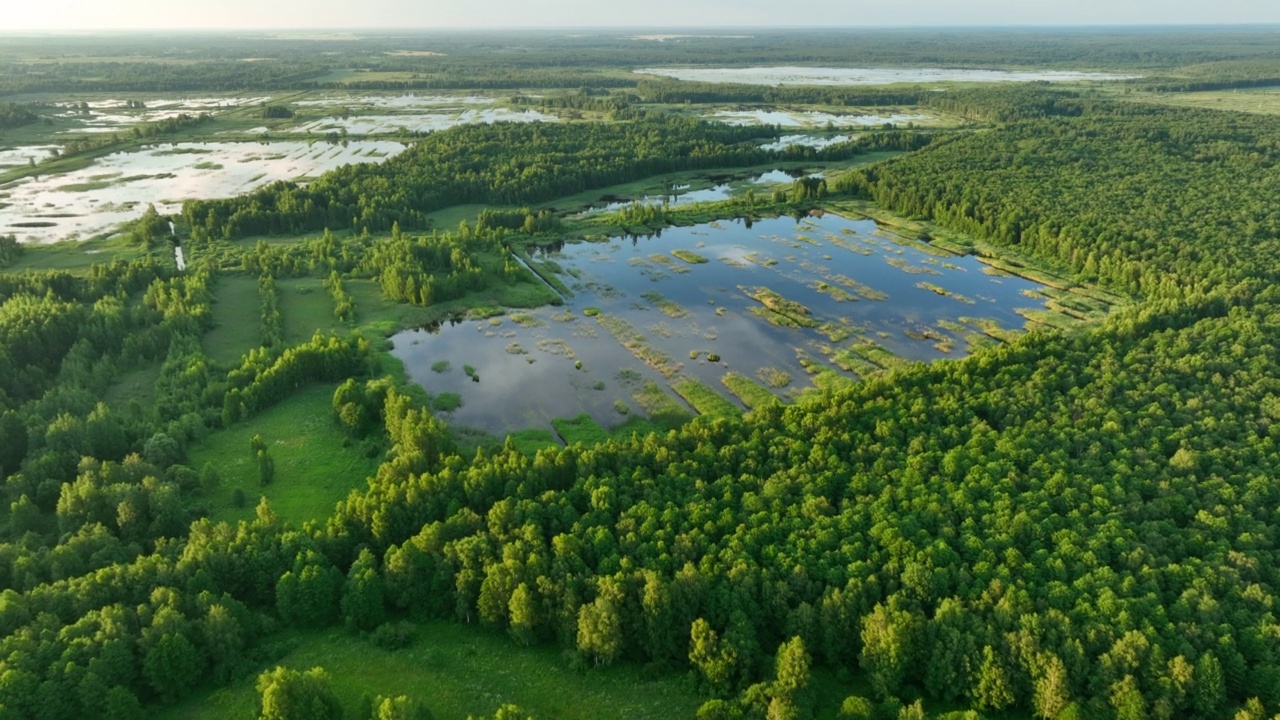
458,671
315,463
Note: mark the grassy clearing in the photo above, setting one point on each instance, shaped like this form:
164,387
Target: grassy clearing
306,306
137,384
72,256
530,442
703,399
1265,101
748,391
316,465
581,429
458,671
237,319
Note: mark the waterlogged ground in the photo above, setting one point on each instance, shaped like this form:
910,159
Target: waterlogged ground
870,76
419,121
117,188
407,101
770,303
817,142
22,155
111,115
680,195
811,119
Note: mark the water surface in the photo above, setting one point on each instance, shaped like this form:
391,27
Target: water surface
860,286
118,187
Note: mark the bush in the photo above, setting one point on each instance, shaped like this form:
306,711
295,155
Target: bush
392,635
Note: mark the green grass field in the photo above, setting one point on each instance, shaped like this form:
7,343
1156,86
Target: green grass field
72,256
530,442
306,306
580,429
1264,100
313,468
136,384
458,671
237,318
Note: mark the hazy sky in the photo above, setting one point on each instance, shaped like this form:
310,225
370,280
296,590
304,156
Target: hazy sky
246,14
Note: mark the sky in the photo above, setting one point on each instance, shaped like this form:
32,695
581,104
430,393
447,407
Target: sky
24,15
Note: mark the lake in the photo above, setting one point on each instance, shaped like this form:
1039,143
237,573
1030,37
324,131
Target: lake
859,296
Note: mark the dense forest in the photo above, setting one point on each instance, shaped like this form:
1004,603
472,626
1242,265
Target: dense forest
1069,525
1171,58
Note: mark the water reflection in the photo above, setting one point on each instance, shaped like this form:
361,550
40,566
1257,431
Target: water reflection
859,286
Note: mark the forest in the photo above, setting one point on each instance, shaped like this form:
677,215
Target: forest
1072,524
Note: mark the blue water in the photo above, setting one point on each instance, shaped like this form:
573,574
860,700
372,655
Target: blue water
786,255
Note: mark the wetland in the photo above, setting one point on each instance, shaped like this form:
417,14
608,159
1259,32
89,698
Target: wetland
731,308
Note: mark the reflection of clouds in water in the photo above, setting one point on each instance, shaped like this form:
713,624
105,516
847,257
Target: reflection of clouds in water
244,167
513,394
391,102
384,124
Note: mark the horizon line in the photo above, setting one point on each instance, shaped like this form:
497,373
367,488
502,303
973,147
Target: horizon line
720,29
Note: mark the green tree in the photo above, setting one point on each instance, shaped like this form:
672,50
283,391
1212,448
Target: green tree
287,694
994,690
889,637
362,595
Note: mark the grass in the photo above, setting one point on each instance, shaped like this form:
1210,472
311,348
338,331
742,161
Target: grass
774,377
530,442
779,310
306,306
137,384
237,319
581,429
458,671
446,402
656,402
1265,100
440,366
689,256
703,399
748,391
670,308
316,464
635,342
72,256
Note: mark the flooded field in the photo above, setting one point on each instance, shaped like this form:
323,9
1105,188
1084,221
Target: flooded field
118,187
811,119
764,309
871,76
419,122
679,195
104,116
392,102
24,154
817,142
